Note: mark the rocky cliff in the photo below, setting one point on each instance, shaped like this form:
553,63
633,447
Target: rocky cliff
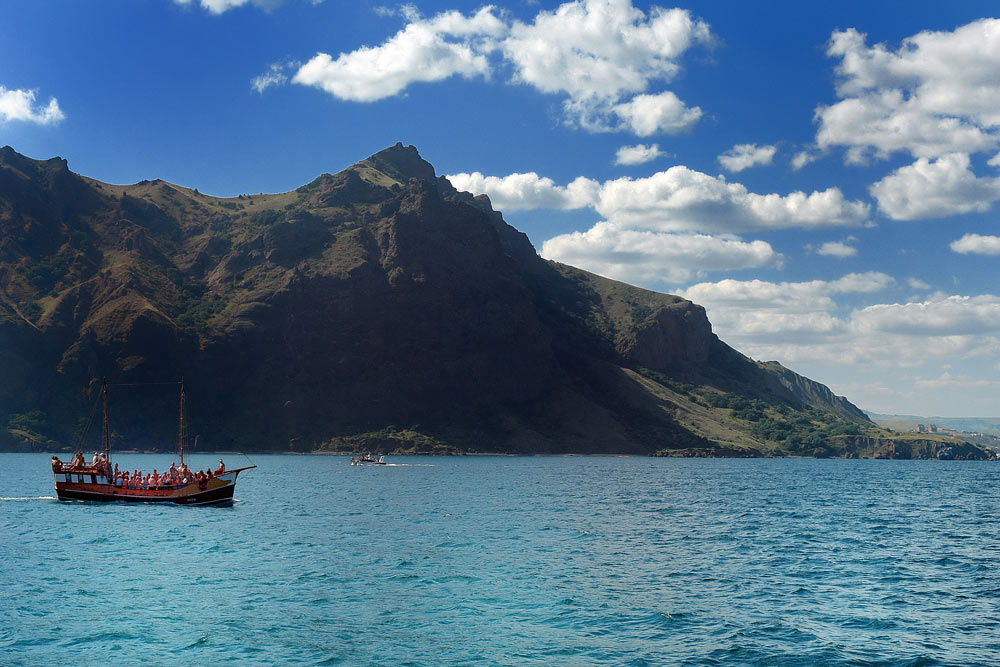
376,305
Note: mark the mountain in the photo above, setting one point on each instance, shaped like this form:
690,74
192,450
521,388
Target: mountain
373,309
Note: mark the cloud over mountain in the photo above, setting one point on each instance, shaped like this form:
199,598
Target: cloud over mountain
434,49
649,257
601,56
19,105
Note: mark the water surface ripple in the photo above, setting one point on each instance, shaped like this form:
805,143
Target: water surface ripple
513,561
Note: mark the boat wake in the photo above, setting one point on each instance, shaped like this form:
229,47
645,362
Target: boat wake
410,465
30,498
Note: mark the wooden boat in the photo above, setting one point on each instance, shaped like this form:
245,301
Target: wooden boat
96,482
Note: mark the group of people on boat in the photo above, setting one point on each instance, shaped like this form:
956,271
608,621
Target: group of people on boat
174,477
98,465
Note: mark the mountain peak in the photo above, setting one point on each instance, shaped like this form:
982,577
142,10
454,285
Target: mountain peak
11,158
401,163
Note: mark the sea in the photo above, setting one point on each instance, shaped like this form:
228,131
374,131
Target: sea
511,561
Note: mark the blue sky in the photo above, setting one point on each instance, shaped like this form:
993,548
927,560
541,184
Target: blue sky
821,176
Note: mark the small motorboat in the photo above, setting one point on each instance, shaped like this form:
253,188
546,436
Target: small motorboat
367,459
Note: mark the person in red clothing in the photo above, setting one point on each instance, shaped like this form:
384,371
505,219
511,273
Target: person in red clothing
221,469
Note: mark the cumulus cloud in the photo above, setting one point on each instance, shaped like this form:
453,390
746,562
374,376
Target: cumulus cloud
645,115
528,191
931,189
837,249
638,154
976,244
789,297
917,283
936,94
648,257
601,49
19,105
603,56
678,199
426,50
681,199
948,316
744,156
806,322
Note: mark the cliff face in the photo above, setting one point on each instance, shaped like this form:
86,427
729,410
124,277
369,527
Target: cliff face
911,448
377,301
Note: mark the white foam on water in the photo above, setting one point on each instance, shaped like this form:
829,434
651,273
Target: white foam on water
31,498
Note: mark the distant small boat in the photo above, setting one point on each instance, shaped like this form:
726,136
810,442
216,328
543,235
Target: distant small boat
367,459
76,481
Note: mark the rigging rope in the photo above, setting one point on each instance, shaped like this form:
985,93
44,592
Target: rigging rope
90,421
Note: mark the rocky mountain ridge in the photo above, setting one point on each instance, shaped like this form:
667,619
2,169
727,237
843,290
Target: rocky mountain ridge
375,305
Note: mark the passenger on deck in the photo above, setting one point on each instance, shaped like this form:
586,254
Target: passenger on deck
221,469
94,461
77,460
57,465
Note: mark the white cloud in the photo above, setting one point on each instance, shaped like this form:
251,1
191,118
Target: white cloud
678,199
220,6
837,249
638,154
788,297
601,49
948,316
937,94
19,105
917,283
426,50
681,199
976,244
664,112
274,76
744,156
648,257
528,191
803,323
941,188
602,55
764,318
802,158
953,382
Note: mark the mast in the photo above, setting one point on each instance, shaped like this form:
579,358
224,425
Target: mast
106,434
180,428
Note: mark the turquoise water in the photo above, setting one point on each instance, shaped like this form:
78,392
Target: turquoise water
513,561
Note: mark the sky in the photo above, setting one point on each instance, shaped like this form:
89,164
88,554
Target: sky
822,177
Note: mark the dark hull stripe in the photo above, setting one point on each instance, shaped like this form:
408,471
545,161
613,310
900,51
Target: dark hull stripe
222,494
